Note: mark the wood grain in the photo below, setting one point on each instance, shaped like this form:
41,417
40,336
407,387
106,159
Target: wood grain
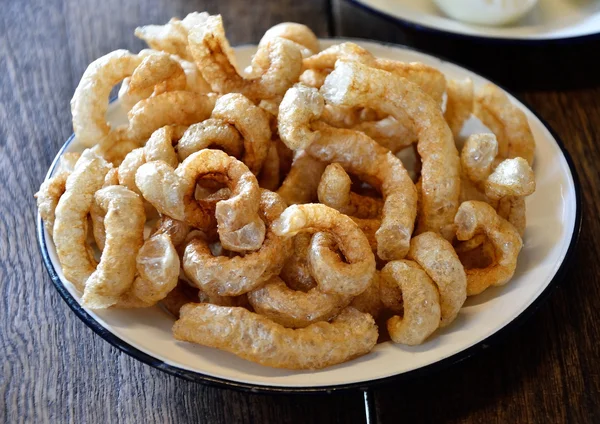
54,369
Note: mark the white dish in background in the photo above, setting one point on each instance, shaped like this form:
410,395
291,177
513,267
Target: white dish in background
486,12
553,223
549,19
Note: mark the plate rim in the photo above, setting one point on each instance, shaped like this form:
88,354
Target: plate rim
220,382
497,40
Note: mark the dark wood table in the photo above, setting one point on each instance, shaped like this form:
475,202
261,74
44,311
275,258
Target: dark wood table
54,369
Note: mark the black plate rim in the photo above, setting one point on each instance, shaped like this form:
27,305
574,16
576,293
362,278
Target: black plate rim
477,38
364,385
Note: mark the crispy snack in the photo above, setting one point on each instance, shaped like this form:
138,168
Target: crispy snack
331,273
224,276
173,36
302,182
124,237
251,122
429,79
300,107
90,101
439,260
67,162
269,174
353,84
298,33
158,72
296,272
369,301
169,108
369,227
116,145
392,133
512,208
286,156
421,301
459,104
511,181
477,157
295,309
193,80
206,145
360,155
507,121
334,191
512,177
279,59
158,147
48,196
390,294
475,218
182,294
349,335
172,192
157,264
70,225
209,134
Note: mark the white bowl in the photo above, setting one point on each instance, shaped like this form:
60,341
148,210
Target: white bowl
553,221
486,12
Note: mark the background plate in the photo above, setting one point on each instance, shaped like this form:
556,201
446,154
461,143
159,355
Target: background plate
553,223
549,20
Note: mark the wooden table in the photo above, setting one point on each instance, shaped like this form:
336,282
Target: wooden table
54,369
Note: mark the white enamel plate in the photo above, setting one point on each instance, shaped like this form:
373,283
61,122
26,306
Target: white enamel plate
549,20
553,216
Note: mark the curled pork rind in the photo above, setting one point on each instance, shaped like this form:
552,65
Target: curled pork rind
334,191
158,266
298,33
351,277
295,309
477,157
158,72
211,133
172,192
354,84
296,272
349,335
439,260
224,276
369,301
269,174
459,104
71,225
251,122
421,301
507,121
173,36
360,155
158,147
124,237
90,101
474,218
301,183
169,108
431,80
281,62
48,196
